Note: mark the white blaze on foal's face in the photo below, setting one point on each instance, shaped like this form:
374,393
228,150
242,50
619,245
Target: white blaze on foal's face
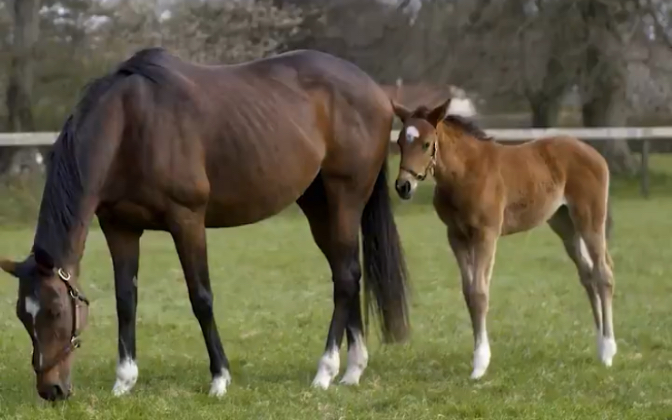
412,134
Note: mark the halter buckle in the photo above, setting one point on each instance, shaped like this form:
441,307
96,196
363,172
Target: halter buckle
64,275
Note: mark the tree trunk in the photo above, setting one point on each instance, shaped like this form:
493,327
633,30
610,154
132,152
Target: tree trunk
545,110
20,80
604,83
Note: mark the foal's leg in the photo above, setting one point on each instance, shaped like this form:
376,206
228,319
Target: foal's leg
463,252
124,245
484,245
593,233
334,224
188,231
561,223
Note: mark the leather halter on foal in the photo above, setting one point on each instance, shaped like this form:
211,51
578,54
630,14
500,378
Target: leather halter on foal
75,298
428,170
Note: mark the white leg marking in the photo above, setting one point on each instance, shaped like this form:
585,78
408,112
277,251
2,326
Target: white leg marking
127,376
358,359
327,369
219,384
584,254
481,356
608,350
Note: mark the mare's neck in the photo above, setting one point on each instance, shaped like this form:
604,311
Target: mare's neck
69,200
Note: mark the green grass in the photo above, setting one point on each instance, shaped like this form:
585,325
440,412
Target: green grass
273,302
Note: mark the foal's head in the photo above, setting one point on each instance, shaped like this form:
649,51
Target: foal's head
417,145
49,306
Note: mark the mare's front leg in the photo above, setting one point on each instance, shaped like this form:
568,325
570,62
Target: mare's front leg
187,228
124,245
484,245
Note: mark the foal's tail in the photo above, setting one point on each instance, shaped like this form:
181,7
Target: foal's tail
385,275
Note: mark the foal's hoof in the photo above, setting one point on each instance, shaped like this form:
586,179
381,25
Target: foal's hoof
481,361
607,351
219,384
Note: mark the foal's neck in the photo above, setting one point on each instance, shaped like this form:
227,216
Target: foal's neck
456,150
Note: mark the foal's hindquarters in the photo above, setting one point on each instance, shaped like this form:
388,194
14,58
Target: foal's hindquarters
561,181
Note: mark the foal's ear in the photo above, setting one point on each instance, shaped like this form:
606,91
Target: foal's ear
439,113
8,267
401,111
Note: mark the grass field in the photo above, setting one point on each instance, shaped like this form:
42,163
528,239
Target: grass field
273,303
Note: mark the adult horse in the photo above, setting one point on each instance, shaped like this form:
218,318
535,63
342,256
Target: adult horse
485,190
163,144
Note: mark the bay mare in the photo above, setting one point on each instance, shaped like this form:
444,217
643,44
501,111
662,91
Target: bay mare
485,190
163,144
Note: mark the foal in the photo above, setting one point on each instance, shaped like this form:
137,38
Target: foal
485,190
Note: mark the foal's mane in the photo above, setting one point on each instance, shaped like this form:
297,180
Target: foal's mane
468,127
65,182
458,121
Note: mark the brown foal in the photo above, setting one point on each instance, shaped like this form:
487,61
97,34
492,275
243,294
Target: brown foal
485,190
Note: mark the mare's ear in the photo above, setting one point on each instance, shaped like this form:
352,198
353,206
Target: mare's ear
43,259
8,267
401,111
439,113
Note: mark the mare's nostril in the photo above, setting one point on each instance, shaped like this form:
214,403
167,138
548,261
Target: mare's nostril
52,393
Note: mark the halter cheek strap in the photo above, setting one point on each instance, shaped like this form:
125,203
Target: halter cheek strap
75,299
429,170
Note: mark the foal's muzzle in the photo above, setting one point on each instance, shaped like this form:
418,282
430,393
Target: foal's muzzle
404,188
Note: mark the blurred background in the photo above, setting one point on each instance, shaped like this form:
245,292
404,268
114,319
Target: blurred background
512,63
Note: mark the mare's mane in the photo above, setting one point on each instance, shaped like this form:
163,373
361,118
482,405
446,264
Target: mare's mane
65,184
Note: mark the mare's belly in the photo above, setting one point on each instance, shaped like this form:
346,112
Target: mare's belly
254,188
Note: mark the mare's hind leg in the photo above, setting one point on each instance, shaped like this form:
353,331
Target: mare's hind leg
124,245
187,228
561,223
334,219
590,220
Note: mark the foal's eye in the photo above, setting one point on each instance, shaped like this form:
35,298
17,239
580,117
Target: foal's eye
425,146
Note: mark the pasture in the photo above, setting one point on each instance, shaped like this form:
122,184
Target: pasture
273,301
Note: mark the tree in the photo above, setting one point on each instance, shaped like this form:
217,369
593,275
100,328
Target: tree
21,73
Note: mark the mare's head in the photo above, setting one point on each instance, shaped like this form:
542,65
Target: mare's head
417,144
53,312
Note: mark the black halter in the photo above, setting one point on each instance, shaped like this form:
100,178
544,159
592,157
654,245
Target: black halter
75,298
428,170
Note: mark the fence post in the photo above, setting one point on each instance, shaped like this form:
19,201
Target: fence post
644,168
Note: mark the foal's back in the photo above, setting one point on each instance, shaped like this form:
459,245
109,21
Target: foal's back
540,176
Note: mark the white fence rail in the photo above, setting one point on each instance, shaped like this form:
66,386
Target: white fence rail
643,134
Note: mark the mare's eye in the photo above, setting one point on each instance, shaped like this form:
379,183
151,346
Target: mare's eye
425,146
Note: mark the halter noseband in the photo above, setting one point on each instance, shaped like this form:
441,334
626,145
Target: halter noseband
430,167
75,298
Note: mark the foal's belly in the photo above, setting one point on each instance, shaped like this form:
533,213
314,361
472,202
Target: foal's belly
529,212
